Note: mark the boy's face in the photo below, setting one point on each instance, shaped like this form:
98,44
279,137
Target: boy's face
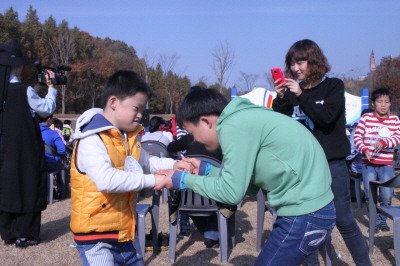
382,105
128,112
204,132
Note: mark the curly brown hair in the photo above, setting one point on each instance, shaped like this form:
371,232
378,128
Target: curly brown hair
307,50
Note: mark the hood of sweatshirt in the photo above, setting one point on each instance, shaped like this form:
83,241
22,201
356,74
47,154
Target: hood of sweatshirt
236,105
91,122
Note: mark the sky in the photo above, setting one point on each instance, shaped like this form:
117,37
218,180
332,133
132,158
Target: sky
260,32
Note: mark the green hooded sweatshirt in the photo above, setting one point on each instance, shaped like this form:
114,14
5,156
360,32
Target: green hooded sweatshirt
265,149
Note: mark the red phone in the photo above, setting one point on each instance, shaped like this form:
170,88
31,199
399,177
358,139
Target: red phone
277,74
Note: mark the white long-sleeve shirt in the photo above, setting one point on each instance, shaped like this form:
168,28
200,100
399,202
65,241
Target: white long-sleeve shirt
43,106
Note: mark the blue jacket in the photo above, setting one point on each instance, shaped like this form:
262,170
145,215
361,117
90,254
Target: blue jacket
52,139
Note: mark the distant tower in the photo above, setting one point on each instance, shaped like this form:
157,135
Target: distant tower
372,64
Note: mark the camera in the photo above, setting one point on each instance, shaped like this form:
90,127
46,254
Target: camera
59,73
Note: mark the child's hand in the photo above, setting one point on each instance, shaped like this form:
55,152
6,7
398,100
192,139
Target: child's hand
378,146
369,156
183,166
159,179
165,181
195,163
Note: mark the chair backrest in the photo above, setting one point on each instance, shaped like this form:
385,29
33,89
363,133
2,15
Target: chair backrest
191,201
155,148
393,182
396,159
212,160
53,152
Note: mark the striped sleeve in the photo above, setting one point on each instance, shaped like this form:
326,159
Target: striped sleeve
359,136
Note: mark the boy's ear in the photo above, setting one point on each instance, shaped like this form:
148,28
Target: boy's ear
208,120
112,102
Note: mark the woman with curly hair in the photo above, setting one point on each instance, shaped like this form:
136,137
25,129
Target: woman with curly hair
318,101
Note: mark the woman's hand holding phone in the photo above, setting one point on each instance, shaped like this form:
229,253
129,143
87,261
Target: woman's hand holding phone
293,86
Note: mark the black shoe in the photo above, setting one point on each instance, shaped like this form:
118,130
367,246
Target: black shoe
163,241
26,242
9,242
211,243
384,227
184,234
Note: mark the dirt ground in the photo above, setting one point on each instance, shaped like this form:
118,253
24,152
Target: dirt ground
56,236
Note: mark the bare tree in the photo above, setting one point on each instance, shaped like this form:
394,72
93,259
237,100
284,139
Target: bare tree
223,59
168,63
62,48
270,81
248,80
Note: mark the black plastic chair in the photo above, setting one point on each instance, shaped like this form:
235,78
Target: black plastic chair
194,204
155,148
64,177
142,210
158,149
392,212
262,207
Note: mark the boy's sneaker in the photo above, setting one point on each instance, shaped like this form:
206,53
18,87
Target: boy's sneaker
184,234
211,243
384,227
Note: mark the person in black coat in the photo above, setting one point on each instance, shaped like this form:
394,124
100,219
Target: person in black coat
23,173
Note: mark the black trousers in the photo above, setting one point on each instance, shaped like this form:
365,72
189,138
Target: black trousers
19,225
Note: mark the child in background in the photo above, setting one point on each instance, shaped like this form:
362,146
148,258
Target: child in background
108,167
376,135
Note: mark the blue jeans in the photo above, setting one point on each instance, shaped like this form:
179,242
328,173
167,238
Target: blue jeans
184,222
376,172
295,237
345,222
207,226
110,254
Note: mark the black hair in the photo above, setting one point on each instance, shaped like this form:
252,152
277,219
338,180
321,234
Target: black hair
57,123
155,123
380,92
124,84
67,122
193,88
366,111
200,103
44,119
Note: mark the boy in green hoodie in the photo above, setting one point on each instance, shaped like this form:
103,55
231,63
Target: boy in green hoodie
262,149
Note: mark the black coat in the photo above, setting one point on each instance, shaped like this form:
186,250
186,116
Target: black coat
23,176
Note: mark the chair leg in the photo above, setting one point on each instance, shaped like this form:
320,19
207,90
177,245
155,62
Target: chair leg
357,185
231,231
396,239
164,196
260,218
50,187
141,232
372,217
328,251
155,213
173,230
223,237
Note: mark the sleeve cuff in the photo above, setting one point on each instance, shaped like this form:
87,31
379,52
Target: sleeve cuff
204,168
383,143
178,180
